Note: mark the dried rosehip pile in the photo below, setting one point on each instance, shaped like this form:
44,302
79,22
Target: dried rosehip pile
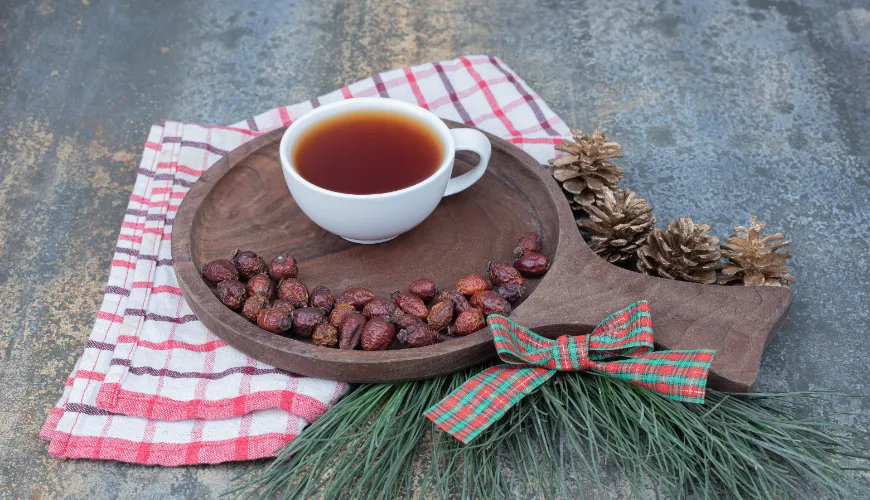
270,295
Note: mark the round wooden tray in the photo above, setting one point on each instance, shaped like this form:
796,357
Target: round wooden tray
243,202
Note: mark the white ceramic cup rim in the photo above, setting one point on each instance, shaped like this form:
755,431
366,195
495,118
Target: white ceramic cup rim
430,120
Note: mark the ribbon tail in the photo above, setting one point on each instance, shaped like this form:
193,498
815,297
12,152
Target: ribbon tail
483,399
678,375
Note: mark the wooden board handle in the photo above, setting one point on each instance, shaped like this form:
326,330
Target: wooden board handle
581,289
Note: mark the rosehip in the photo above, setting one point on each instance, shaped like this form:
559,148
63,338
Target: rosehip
305,320
511,291
378,334
260,284
402,319
339,313
530,242
379,307
253,306
248,263
231,293
293,290
502,272
418,334
423,288
325,334
220,270
532,264
468,321
273,320
284,305
357,297
321,298
350,331
283,266
440,315
472,284
460,302
490,302
410,304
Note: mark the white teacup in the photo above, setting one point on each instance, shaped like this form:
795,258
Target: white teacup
375,218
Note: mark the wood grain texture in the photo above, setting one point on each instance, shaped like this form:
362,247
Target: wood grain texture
243,202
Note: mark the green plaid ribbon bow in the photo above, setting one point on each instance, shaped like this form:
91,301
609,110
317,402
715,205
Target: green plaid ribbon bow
625,335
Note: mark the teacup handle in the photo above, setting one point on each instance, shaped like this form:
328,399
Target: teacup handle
467,139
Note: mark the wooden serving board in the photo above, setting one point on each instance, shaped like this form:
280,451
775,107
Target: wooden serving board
243,202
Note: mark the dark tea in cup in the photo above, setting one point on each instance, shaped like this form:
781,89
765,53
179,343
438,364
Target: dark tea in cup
371,168
368,152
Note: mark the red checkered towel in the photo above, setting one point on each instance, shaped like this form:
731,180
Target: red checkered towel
153,385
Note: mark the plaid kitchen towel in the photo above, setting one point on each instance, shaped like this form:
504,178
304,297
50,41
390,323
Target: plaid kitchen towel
153,385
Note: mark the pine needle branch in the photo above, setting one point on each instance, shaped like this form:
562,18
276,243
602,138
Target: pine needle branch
375,443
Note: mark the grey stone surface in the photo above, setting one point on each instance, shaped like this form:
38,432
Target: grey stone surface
725,109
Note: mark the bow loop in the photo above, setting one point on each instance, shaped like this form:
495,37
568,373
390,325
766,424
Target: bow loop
532,360
518,345
624,333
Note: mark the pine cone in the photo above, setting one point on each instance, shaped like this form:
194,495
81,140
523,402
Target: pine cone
755,260
618,225
585,172
684,252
